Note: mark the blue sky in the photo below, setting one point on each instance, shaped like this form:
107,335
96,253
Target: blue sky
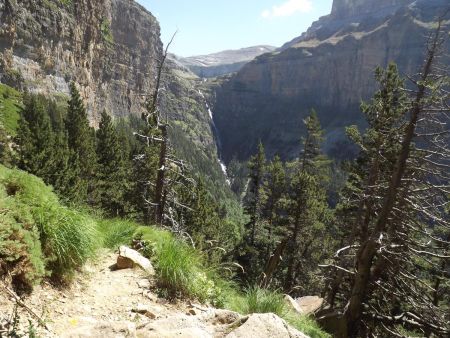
207,26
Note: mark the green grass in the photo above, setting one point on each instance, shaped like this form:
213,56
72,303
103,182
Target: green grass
10,106
47,234
40,237
116,232
179,268
257,300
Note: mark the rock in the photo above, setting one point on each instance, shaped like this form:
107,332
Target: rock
124,263
292,303
180,326
144,284
125,253
145,310
309,304
191,312
265,325
226,316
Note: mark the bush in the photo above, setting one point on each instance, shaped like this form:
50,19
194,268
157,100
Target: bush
116,232
37,228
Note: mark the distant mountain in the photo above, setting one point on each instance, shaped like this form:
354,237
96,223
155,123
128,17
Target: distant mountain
222,63
329,68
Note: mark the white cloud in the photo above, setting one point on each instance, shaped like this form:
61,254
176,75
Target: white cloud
288,8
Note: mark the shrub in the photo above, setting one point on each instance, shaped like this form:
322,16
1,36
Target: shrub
41,230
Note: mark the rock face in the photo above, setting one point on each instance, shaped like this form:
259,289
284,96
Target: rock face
329,68
222,63
108,47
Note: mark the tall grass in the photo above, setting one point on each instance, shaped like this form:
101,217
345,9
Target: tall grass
179,267
116,232
67,238
257,300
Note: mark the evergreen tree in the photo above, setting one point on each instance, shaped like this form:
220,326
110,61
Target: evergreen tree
111,171
273,208
395,193
253,246
253,200
81,143
308,213
35,139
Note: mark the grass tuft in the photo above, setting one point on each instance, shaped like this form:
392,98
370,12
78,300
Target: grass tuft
116,232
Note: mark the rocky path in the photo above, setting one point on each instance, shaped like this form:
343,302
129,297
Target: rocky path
103,302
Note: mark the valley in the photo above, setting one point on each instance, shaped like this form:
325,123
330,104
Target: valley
251,179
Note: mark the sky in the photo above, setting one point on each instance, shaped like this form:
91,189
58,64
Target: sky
208,26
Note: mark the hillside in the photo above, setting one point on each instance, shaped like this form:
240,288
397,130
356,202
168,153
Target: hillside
329,68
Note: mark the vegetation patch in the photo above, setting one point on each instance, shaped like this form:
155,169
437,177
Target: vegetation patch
39,236
10,106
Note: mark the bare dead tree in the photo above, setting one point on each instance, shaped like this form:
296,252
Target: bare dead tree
170,171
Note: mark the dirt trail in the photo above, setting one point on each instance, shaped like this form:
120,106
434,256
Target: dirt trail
98,294
108,303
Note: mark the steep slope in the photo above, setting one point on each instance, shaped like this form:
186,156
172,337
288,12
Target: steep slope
222,63
329,68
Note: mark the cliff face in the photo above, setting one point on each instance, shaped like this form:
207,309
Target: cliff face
329,68
108,47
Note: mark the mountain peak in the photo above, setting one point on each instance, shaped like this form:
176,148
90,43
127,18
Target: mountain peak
352,8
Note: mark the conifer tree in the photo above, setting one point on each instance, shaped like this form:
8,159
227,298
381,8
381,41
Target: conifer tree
308,212
253,201
35,139
253,246
111,173
397,195
81,143
273,208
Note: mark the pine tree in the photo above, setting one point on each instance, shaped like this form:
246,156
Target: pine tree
253,200
81,143
253,246
35,139
397,193
111,171
308,213
273,208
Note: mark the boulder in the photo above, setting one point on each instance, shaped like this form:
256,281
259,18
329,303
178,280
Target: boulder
128,258
293,304
309,304
261,325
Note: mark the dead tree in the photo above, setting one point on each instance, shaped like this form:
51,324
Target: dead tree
170,170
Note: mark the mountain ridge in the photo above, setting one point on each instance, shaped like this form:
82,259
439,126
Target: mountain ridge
330,69
223,62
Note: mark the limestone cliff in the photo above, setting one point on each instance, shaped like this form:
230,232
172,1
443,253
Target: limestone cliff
108,47
329,68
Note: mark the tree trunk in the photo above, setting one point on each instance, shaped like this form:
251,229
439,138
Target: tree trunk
159,200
